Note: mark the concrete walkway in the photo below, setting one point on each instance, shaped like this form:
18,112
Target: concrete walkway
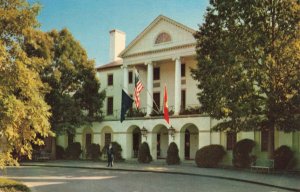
282,180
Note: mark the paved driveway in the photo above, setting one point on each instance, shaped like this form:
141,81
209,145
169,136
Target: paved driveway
50,179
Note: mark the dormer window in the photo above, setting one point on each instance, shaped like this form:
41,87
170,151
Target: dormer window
162,38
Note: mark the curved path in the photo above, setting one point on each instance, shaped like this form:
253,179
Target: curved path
46,179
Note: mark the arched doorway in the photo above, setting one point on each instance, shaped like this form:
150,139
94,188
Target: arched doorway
136,141
190,141
187,138
87,139
161,138
106,136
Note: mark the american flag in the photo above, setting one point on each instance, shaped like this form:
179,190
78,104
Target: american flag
137,89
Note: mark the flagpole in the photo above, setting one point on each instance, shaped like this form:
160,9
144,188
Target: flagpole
156,111
151,96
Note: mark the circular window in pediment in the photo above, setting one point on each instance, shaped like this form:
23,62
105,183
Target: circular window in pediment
162,38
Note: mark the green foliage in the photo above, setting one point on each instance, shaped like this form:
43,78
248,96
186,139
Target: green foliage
173,155
283,157
93,151
144,155
191,110
241,153
135,113
24,115
74,97
60,152
155,113
73,151
209,156
7,185
117,151
248,64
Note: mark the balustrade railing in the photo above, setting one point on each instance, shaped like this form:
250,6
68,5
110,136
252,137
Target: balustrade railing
133,112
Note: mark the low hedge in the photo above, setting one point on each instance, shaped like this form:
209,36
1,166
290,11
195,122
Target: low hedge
144,155
93,151
73,151
7,185
117,148
60,152
209,156
242,157
172,155
283,158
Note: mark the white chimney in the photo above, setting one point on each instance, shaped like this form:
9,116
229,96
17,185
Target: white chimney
117,44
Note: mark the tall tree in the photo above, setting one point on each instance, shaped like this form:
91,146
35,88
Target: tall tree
24,115
74,97
249,65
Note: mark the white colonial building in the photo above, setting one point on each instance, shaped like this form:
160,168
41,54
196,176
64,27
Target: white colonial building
163,53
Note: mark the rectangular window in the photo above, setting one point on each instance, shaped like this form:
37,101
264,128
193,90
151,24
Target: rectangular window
156,73
156,99
110,80
231,140
264,140
130,77
110,106
107,139
182,99
182,70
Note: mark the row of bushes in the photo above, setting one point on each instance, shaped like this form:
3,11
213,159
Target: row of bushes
208,156
93,151
212,155
144,155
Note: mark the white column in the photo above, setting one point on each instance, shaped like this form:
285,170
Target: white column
177,85
149,87
125,80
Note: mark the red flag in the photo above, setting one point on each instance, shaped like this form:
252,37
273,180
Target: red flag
137,89
166,110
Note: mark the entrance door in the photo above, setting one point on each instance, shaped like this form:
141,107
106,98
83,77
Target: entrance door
136,140
88,139
158,145
107,138
187,144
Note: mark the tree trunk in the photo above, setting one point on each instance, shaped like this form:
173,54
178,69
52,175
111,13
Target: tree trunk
271,142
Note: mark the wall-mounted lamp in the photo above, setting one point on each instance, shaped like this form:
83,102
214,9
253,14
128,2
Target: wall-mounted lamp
144,132
171,132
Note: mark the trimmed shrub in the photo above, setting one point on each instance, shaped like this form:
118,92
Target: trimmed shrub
60,152
209,156
12,185
117,151
283,157
173,156
241,153
93,151
74,150
144,155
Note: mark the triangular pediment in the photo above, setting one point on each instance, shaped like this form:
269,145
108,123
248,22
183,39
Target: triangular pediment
146,41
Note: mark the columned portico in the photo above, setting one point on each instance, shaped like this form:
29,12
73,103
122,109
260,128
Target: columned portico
149,87
177,85
125,76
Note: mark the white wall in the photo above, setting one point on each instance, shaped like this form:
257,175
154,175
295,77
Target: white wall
114,91
179,36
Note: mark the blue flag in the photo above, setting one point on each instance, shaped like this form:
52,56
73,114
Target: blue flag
126,104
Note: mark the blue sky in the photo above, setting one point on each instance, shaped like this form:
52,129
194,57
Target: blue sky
91,20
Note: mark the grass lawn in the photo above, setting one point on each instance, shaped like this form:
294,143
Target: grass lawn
7,185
